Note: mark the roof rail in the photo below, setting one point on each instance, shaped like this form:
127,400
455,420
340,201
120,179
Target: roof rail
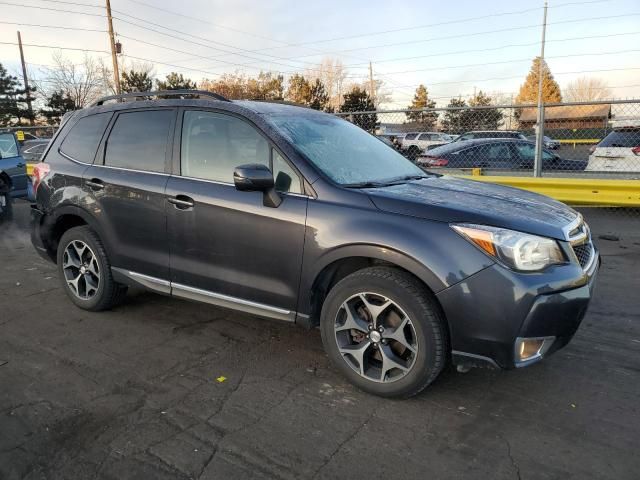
164,93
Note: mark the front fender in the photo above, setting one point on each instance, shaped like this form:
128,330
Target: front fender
430,250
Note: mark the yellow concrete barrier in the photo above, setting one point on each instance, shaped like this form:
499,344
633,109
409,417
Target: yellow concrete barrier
576,191
30,168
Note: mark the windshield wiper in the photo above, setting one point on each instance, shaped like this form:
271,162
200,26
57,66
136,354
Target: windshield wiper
367,184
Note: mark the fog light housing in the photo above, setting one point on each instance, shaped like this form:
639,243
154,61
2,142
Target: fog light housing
529,350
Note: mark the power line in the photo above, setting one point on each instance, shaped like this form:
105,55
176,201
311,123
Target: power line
520,76
472,34
491,49
441,23
53,26
515,60
52,9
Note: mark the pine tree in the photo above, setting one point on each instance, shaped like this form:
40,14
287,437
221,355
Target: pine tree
425,120
529,89
319,98
453,120
12,100
58,103
175,81
299,90
482,119
133,81
358,100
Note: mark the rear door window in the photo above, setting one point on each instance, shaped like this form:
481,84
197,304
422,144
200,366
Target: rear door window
138,140
81,143
627,138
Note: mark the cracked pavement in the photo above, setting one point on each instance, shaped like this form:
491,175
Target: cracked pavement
134,392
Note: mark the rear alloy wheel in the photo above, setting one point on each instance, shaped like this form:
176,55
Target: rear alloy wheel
85,271
382,328
81,270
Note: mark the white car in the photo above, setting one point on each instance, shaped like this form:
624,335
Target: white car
617,152
415,143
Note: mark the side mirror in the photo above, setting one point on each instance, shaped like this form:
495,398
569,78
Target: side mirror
256,177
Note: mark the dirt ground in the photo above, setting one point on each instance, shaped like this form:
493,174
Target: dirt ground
163,388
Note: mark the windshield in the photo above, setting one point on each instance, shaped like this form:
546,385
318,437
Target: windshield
342,151
8,146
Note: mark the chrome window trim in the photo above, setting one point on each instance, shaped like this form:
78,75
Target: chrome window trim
71,158
218,182
125,169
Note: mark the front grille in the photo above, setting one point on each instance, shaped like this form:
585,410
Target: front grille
583,253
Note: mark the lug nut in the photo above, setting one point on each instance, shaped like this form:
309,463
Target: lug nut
370,327
381,329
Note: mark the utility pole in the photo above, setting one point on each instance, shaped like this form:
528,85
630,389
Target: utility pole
371,88
26,81
537,164
114,58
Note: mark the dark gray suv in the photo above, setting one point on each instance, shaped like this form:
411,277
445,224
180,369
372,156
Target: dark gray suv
293,214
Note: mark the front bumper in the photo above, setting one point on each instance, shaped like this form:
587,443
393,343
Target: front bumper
489,311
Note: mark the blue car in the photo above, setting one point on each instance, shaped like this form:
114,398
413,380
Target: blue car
14,182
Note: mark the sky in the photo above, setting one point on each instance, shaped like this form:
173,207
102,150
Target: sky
453,48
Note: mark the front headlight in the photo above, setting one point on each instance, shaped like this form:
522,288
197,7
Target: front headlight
517,250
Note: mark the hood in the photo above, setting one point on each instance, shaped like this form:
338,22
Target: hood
451,199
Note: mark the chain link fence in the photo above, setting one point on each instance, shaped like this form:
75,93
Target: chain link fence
596,140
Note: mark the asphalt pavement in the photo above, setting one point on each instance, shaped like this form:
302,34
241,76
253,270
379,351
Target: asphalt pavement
163,388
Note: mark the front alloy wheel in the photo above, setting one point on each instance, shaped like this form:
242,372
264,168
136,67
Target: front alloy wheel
375,337
383,329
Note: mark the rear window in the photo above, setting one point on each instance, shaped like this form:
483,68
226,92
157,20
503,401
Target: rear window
138,140
81,143
628,138
8,145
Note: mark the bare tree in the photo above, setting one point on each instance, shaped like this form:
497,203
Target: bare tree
81,82
332,74
585,89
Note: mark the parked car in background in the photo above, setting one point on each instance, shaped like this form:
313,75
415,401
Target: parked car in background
491,134
617,152
13,173
32,150
501,154
547,142
415,143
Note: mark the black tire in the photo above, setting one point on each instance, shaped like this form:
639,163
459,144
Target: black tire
413,152
417,302
6,211
109,293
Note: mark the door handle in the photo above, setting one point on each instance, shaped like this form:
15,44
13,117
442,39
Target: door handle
181,202
19,165
95,184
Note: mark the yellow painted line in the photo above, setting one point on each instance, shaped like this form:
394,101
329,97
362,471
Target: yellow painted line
580,140
576,191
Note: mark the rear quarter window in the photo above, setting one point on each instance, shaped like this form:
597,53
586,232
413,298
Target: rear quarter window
410,136
82,140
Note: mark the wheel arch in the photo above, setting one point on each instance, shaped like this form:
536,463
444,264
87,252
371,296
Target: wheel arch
344,261
65,218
